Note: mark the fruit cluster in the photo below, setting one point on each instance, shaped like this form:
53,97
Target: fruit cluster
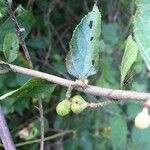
77,105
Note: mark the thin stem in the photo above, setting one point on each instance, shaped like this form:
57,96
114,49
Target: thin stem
46,139
19,32
68,93
5,134
58,37
113,94
41,123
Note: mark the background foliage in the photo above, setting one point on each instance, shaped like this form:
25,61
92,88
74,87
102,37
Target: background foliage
48,30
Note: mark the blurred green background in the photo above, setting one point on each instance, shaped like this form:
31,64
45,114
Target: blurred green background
49,25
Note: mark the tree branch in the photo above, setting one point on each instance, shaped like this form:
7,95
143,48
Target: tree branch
5,134
94,90
19,32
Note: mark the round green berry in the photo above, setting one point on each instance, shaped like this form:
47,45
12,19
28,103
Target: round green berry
78,104
63,108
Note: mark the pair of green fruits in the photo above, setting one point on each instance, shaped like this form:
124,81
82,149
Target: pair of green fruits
77,105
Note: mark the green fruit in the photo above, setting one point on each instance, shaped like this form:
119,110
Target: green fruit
63,108
78,104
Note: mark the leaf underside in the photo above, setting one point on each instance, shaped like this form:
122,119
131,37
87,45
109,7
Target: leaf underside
129,57
82,59
142,29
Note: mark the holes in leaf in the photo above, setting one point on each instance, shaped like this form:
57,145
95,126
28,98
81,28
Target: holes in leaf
91,38
93,61
91,24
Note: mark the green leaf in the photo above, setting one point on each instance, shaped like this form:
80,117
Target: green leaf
133,108
21,104
3,10
142,29
119,130
38,42
82,59
11,46
140,138
4,68
114,108
32,88
37,124
21,79
8,105
129,57
71,144
109,32
25,20
19,9
85,141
